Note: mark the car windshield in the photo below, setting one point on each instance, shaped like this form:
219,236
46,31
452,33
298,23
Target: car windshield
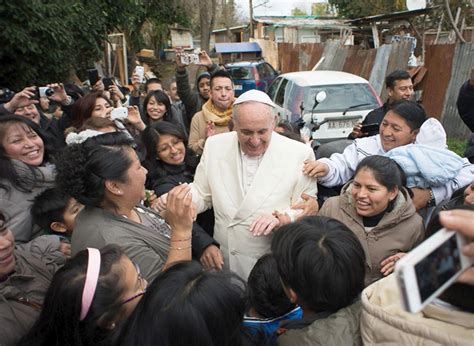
240,72
339,97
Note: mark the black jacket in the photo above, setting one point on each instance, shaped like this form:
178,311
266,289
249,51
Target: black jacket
465,104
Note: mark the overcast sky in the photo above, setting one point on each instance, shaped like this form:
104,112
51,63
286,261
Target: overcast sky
275,7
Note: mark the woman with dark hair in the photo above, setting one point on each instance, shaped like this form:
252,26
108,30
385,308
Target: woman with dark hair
88,298
378,209
170,163
24,280
105,175
157,107
97,105
24,172
186,305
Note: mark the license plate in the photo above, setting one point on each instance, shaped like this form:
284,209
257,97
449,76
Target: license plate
341,124
237,87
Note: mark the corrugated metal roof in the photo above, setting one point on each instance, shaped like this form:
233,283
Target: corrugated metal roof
238,47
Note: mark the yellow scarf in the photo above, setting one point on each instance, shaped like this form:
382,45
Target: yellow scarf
218,118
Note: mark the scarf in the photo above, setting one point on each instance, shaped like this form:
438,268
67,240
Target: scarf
218,118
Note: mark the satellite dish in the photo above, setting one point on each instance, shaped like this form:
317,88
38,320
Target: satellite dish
415,4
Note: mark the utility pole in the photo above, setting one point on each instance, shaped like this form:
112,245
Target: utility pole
251,18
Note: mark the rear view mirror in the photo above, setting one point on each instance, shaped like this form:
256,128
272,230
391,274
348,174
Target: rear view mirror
321,96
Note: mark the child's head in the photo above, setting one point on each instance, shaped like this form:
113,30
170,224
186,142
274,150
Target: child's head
321,263
56,211
265,292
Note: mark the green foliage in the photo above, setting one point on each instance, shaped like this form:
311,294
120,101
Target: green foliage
298,12
43,41
363,8
457,145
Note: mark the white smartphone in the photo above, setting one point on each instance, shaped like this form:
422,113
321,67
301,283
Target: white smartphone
140,71
426,271
189,58
120,113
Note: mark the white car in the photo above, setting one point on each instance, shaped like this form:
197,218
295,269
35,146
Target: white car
329,102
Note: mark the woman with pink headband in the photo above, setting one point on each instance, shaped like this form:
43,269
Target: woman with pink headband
88,298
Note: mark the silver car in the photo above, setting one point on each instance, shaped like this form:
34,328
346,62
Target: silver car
329,103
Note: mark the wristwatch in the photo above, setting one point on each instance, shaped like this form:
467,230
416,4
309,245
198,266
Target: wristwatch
432,201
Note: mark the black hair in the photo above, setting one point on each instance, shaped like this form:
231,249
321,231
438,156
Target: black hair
58,323
265,292
394,76
152,81
186,305
48,207
290,130
8,172
458,294
82,169
413,113
322,261
160,96
221,74
385,170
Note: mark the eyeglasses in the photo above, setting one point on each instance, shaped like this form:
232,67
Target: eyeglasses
169,146
142,287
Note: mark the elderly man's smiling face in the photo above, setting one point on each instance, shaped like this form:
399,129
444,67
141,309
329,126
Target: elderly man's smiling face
254,124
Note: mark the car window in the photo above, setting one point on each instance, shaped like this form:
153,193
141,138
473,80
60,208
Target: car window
339,97
273,87
261,71
280,97
240,72
269,70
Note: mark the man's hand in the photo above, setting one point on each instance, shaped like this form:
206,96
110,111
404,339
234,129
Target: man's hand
315,169
283,218
420,197
309,206
212,258
204,59
60,94
357,131
115,92
179,64
98,86
180,210
65,248
21,99
210,129
263,225
388,264
461,221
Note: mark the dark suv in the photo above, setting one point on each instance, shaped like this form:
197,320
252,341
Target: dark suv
249,75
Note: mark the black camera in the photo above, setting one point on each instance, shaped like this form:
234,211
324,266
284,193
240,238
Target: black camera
6,95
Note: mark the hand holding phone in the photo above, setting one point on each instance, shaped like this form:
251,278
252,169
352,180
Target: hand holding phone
426,271
370,128
93,76
119,113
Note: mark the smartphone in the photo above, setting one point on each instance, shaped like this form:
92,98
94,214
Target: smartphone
369,128
120,113
189,58
140,71
426,271
93,76
107,82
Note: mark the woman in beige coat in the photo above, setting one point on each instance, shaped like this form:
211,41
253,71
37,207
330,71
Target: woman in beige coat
379,210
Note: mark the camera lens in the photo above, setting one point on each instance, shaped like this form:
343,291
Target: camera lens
49,92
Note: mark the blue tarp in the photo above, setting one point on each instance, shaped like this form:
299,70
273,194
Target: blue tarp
238,47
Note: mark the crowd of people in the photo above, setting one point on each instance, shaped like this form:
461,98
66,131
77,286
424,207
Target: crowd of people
199,219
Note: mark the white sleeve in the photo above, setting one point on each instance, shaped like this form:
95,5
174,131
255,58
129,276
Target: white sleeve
464,178
200,188
341,166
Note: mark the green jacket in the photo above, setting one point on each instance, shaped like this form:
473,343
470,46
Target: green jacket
340,328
